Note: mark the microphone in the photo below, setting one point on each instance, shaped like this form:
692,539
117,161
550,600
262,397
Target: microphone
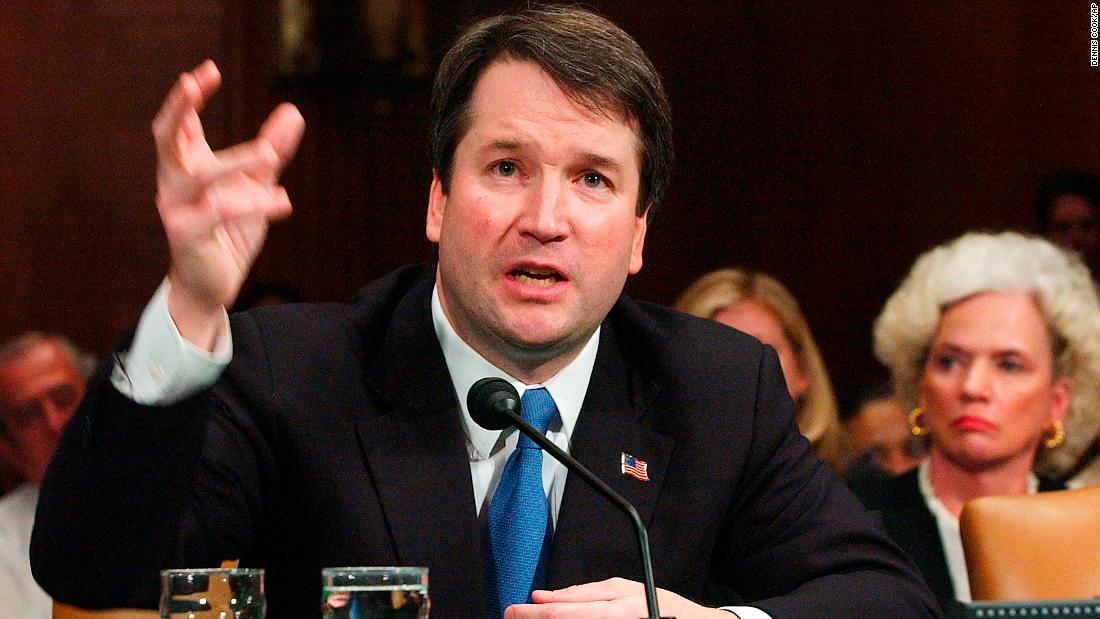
494,404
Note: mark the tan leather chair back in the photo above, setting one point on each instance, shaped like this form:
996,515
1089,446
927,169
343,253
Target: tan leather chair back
1033,547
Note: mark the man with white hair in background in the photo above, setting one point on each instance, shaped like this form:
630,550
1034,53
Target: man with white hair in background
42,379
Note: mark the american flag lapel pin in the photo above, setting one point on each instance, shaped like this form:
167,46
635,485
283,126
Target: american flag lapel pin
634,467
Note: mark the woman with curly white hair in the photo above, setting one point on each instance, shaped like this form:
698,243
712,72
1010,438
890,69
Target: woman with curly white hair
993,341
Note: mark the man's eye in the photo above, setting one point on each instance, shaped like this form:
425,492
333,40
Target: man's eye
592,180
1011,365
65,396
506,168
25,415
947,362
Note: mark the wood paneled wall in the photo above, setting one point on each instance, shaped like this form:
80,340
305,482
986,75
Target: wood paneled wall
826,143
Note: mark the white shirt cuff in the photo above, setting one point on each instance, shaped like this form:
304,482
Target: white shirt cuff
161,367
747,612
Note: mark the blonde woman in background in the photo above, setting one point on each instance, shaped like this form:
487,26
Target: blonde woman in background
759,305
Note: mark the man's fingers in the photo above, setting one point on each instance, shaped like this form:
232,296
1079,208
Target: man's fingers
278,207
187,179
597,609
209,79
181,106
238,181
178,129
247,199
609,589
255,157
220,204
614,597
283,129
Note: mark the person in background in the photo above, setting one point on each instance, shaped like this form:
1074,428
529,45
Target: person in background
759,305
879,439
993,342
42,379
1067,207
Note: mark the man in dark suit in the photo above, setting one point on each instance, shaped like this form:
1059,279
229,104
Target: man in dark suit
339,434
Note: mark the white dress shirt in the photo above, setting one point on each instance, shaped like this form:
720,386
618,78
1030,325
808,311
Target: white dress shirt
489,449
20,595
162,368
948,525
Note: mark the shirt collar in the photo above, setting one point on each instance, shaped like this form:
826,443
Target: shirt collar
936,506
466,367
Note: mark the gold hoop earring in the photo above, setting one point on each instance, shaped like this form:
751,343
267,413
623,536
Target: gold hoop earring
1059,436
914,422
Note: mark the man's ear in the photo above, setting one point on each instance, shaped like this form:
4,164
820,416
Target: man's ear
437,204
641,223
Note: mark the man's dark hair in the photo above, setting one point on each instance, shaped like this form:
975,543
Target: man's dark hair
591,59
1070,182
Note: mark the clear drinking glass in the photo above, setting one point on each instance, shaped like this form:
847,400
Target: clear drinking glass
212,593
374,592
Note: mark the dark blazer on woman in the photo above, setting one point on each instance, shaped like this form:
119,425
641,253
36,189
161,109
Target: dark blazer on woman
914,528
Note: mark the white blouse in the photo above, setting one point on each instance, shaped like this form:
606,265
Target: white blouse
949,530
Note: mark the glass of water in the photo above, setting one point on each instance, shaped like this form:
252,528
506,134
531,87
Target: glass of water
212,593
374,593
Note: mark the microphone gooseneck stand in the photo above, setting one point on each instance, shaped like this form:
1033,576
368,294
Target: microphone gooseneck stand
495,404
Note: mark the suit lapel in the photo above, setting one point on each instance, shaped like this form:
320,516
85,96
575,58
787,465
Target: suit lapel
593,539
425,491
415,450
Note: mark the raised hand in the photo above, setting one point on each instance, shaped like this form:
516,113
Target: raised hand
215,206
609,599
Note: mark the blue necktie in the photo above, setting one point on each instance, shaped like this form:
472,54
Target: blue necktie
519,517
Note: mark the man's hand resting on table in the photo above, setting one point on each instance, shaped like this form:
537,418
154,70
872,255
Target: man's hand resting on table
615,598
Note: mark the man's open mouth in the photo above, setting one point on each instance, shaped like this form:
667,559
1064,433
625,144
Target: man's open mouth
536,277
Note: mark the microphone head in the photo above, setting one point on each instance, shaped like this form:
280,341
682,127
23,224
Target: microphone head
490,400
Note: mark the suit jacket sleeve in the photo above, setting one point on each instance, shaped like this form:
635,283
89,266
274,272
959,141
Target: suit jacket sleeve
134,489
799,543
283,464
